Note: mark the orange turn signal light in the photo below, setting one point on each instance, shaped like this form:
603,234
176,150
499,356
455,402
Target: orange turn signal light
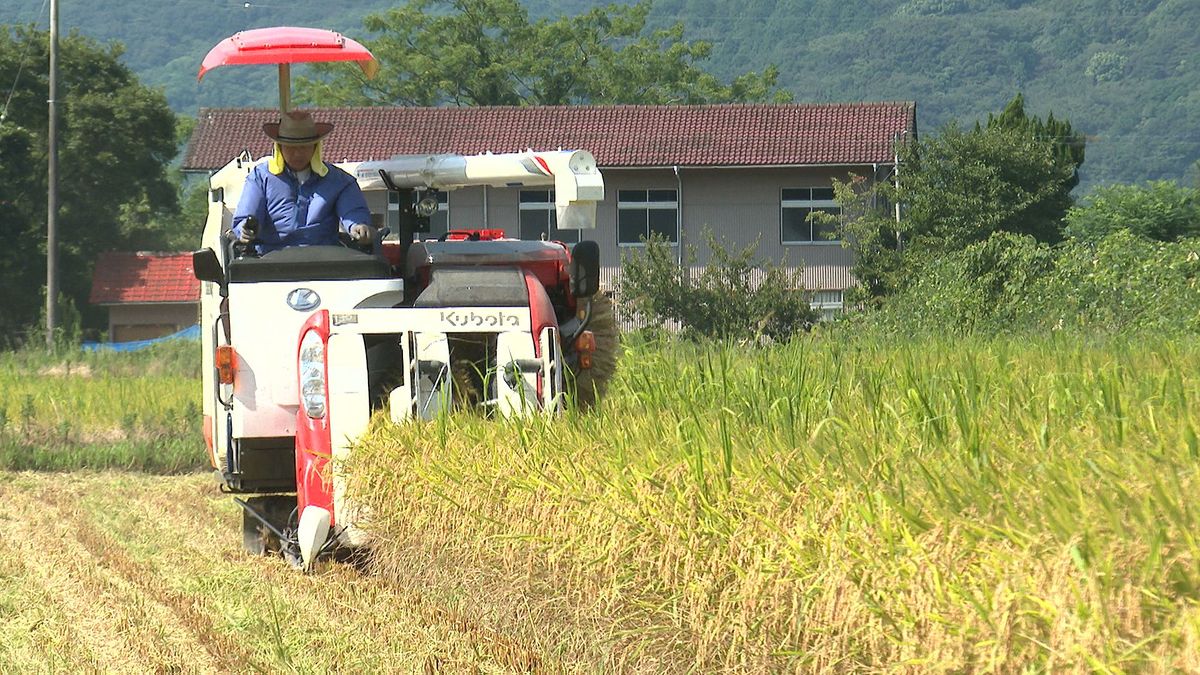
586,342
225,359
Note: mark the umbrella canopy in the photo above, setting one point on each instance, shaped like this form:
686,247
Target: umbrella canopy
287,44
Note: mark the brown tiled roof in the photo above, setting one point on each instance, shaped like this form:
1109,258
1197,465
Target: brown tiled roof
144,277
618,135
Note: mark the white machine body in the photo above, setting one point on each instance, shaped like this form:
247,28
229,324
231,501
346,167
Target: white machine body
262,409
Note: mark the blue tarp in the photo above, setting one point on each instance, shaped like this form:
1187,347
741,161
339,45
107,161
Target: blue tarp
189,333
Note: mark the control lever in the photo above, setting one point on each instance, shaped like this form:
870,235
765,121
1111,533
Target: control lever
242,249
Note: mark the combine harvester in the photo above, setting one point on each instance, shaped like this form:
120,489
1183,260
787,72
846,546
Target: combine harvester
302,345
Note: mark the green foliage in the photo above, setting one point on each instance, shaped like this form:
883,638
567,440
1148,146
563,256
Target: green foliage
116,138
722,300
1121,283
867,226
489,52
976,249
1125,283
985,287
193,212
1124,72
1160,210
1106,66
960,187
130,410
68,329
1067,144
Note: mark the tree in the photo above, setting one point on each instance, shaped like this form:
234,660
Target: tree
957,189
867,227
489,52
1067,144
960,187
722,301
1160,210
116,138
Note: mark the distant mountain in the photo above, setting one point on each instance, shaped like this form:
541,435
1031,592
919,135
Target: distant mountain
1125,72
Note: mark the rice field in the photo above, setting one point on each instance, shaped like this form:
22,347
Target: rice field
99,410
838,504
124,572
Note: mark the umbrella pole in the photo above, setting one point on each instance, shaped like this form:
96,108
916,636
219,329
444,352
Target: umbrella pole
285,87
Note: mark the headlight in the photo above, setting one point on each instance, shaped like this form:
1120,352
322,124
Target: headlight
312,374
427,207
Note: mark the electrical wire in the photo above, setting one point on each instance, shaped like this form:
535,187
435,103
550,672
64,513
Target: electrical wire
20,67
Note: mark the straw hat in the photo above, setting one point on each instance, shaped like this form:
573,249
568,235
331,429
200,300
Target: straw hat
296,128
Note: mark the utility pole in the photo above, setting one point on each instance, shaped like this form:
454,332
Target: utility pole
52,187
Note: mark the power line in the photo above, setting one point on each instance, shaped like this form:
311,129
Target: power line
20,67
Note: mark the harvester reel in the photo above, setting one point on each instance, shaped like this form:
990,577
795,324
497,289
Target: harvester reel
588,385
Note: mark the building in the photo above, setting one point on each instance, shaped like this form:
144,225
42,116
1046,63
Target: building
148,295
746,172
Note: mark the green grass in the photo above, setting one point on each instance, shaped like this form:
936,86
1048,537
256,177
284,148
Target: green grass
74,410
837,503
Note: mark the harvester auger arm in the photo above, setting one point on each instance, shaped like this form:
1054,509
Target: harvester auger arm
577,183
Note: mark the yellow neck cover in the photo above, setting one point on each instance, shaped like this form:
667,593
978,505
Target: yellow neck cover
277,164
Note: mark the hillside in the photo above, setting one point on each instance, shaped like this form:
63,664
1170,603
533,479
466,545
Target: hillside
1123,71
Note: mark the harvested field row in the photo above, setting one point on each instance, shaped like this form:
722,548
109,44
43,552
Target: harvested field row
121,572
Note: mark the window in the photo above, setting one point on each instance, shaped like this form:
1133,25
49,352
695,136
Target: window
539,220
642,213
828,303
439,222
795,206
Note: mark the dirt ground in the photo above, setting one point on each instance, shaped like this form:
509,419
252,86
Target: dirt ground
121,572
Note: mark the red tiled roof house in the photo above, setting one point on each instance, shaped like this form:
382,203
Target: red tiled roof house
746,172
148,295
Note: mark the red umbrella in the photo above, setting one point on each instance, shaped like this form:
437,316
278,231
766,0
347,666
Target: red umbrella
287,44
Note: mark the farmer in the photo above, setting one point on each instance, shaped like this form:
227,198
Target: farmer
298,199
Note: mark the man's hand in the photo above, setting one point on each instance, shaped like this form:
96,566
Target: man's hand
362,233
249,230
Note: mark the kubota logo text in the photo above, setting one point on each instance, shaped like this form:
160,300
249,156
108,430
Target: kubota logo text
481,319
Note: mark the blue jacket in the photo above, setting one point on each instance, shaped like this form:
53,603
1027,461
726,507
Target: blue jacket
290,214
